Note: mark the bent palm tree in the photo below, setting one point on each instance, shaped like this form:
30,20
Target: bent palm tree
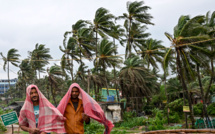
39,57
187,31
13,58
54,74
137,13
152,52
106,58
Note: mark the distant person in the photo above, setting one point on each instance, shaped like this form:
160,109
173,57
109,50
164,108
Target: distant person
38,115
78,107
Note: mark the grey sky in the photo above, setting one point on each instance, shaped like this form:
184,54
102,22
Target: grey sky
24,23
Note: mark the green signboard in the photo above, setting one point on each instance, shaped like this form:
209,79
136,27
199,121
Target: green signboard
9,118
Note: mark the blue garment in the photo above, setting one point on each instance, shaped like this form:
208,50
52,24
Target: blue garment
36,113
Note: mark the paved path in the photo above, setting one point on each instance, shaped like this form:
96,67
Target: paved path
15,127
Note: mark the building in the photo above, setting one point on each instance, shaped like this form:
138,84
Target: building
4,85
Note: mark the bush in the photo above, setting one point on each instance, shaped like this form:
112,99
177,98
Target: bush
211,109
93,128
128,115
157,123
176,106
174,117
133,122
2,127
197,109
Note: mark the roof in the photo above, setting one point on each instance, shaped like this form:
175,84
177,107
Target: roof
17,103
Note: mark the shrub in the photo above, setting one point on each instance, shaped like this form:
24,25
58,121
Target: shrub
128,115
197,109
211,109
2,127
174,117
133,122
176,106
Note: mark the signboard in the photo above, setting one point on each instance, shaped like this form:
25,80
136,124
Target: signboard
164,101
9,118
186,109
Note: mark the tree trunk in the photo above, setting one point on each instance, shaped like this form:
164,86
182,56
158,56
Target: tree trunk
205,114
88,81
185,87
211,81
39,73
166,96
185,114
72,71
96,52
116,86
53,96
8,74
94,86
129,37
117,94
70,68
105,79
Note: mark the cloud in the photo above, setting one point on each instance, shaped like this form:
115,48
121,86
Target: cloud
24,23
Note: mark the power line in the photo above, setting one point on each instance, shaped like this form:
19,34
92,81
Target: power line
119,55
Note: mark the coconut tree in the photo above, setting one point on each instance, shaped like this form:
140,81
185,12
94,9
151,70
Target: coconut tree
102,23
136,80
210,24
106,51
152,52
26,72
13,58
187,31
84,43
54,75
137,12
69,56
136,36
40,57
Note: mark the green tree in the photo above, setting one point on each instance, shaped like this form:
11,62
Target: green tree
102,23
54,78
136,80
137,12
187,31
106,51
40,58
152,52
13,58
69,56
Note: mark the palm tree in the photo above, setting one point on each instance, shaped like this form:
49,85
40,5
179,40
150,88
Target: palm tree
152,52
84,41
54,76
69,56
39,57
210,24
187,31
95,79
137,81
13,58
135,36
106,58
102,24
137,12
117,33
26,72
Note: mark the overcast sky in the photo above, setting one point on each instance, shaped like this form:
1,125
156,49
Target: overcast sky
23,23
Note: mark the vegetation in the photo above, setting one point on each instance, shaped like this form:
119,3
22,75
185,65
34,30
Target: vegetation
188,62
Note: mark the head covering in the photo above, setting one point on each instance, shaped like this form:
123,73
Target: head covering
91,107
50,119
